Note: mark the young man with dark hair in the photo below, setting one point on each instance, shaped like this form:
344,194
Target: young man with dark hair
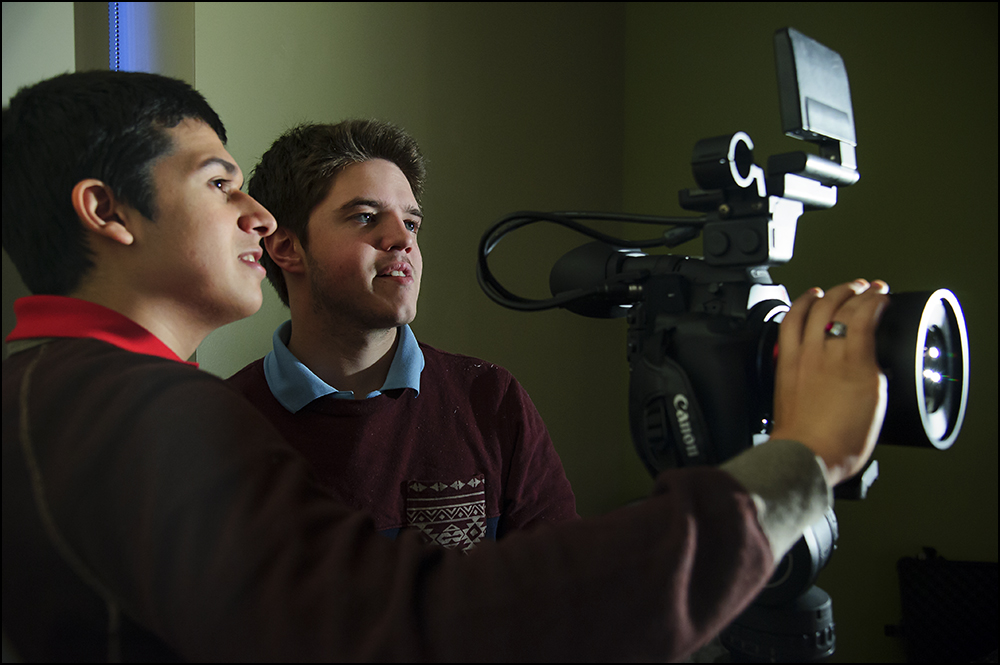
442,443
149,512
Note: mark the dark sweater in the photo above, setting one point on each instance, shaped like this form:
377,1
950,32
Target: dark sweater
148,488
470,443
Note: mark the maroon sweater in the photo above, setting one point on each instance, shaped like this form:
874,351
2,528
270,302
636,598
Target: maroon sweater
147,488
467,458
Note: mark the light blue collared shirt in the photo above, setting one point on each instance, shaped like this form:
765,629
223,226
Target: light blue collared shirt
294,385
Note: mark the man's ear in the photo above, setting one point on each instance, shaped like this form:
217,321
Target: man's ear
99,212
285,250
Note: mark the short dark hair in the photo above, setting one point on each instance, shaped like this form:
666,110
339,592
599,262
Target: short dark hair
100,124
298,170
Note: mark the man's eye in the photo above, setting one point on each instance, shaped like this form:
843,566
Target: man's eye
412,225
365,217
220,183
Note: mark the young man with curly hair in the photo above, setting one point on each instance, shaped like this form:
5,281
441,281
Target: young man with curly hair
445,444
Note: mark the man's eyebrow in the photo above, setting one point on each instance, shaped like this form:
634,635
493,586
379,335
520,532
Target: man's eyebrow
230,168
378,205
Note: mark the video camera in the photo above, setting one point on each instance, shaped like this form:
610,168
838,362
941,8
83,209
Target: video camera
702,332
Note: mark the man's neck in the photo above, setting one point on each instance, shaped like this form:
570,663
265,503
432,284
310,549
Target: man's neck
354,360
171,325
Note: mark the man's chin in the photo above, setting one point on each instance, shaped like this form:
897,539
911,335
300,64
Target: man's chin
246,307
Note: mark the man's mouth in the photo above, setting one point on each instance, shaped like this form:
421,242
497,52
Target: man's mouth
396,270
252,257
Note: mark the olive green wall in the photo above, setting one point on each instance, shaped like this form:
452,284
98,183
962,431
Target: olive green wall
923,216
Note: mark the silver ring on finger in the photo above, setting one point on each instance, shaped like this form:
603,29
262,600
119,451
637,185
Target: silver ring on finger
836,329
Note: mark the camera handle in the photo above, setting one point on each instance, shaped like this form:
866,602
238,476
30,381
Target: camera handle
701,341
694,335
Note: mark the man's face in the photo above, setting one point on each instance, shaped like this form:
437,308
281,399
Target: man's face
363,261
200,255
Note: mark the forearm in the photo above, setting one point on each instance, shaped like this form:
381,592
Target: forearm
788,484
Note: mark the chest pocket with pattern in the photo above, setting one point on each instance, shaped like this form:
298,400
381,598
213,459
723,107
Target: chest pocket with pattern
449,513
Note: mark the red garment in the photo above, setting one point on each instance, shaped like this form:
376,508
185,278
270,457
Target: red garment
63,317
393,454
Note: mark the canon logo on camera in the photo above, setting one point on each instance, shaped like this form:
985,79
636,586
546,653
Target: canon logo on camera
684,425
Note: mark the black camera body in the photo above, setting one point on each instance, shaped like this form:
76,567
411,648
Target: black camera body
701,366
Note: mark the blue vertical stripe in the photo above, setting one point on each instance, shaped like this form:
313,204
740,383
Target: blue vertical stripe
114,36
132,37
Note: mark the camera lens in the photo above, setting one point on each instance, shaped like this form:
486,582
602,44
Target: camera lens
923,347
935,371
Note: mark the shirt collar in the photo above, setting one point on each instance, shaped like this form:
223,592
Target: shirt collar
294,385
64,317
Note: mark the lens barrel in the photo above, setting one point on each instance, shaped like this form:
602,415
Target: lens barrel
922,345
923,348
